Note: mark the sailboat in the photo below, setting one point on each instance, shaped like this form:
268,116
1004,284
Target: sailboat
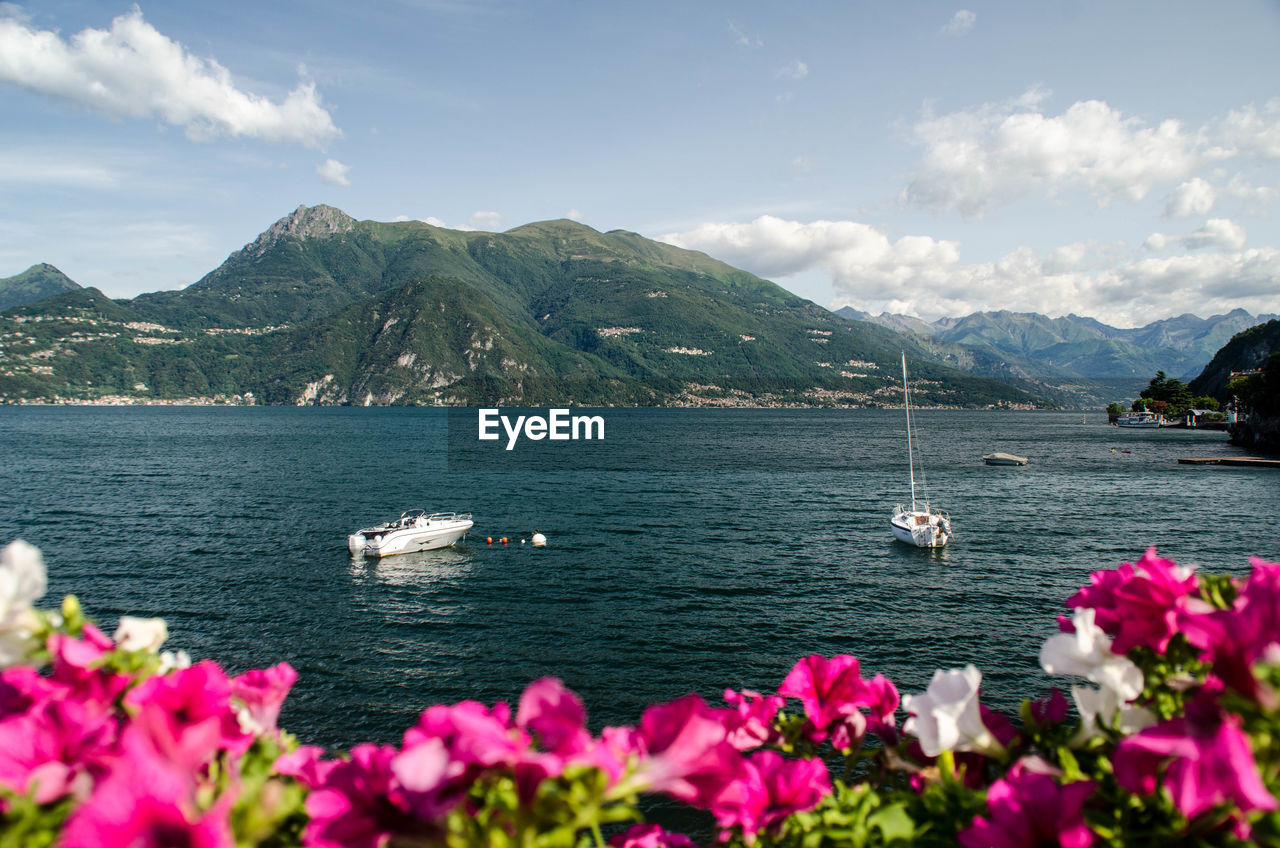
917,526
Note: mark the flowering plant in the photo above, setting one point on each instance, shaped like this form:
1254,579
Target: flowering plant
1175,737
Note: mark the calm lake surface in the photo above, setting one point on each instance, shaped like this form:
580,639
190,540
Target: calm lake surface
692,550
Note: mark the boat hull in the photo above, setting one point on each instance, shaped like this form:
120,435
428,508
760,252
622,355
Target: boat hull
424,533
922,529
1139,421
1004,459
414,540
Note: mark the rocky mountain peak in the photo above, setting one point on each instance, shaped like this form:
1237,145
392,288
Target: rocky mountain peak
306,222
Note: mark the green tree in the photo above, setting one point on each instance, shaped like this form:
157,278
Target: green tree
1168,391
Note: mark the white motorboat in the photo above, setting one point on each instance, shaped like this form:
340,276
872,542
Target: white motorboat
917,526
413,531
1004,459
1139,420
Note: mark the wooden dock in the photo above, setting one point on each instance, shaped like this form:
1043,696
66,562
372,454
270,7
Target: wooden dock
1245,461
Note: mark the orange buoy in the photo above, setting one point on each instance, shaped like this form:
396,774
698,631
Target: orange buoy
504,540
488,540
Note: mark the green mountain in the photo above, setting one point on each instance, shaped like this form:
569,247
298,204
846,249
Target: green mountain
322,308
34,284
1245,352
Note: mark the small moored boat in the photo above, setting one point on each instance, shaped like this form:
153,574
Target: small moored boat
1140,421
412,531
1004,459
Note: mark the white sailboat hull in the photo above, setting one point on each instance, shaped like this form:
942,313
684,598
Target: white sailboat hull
921,528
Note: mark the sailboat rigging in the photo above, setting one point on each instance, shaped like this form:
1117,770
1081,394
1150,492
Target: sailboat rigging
917,526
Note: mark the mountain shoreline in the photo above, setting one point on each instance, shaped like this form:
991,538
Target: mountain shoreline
323,309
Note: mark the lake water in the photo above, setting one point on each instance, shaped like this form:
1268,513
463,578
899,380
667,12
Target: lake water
691,550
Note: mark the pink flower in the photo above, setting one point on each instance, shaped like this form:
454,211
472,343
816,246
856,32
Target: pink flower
1249,629
1051,709
449,747
831,692
1027,807
473,733
75,658
768,789
650,836
145,801
358,804
684,751
881,697
1146,603
1208,759
750,724
555,716
186,715
305,765
21,686
54,746
614,750
262,692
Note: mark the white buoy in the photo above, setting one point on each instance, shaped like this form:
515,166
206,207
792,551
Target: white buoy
539,540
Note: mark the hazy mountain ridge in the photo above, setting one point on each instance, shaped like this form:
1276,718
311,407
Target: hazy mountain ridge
321,308
1180,346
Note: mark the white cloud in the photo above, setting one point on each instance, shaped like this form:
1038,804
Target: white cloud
852,253
742,39
1255,200
573,215
918,275
1254,132
134,71
796,70
1216,232
1156,242
334,172
977,158
1195,197
960,23
490,222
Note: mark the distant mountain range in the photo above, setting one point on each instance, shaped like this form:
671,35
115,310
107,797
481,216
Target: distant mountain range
321,308
1084,347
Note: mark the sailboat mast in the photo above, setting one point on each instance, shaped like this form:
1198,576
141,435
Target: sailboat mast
906,405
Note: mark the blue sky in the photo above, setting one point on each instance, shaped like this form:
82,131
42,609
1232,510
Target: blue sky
1116,160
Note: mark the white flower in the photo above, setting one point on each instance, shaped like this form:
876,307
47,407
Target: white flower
22,582
1102,705
946,717
140,634
1087,653
171,660
22,579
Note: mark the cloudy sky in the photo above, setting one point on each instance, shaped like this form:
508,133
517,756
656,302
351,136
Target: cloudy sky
1115,160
